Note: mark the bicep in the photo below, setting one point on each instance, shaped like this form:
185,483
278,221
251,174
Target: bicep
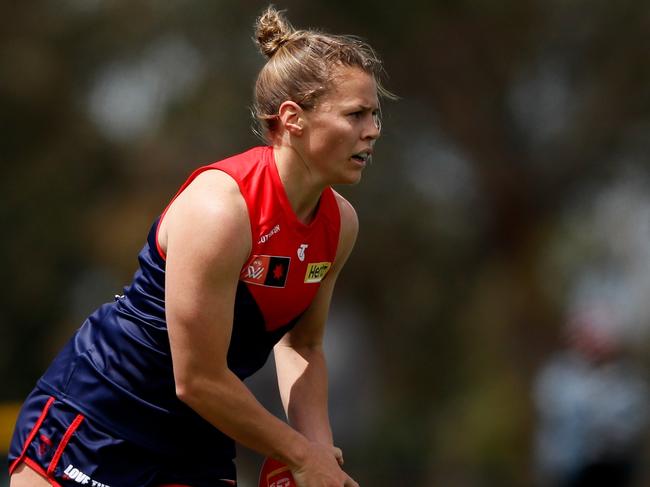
207,241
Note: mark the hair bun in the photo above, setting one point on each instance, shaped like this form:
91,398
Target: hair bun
272,30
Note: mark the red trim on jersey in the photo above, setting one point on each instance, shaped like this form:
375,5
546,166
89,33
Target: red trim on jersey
32,434
64,442
277,232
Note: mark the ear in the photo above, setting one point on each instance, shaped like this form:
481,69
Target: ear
291,118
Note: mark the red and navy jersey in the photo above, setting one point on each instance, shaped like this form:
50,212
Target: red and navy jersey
117,368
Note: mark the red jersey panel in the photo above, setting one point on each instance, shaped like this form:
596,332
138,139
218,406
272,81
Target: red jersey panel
288,258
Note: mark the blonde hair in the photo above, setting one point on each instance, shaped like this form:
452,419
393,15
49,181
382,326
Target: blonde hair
302,64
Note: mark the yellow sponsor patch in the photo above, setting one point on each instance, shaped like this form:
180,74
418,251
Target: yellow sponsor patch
316,271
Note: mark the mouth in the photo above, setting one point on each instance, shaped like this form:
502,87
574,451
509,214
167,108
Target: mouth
363,157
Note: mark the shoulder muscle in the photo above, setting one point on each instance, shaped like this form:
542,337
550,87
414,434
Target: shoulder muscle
349,229
211,209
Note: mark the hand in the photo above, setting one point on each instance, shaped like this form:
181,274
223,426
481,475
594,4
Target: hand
338,454
321,468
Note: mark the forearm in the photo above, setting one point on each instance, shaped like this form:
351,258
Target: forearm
302,379
226,402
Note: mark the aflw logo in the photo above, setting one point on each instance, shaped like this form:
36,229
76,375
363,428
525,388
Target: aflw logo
266,270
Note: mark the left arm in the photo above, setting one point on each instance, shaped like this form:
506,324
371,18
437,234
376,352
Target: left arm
299,356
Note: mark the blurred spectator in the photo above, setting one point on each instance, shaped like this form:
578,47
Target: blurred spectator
592,403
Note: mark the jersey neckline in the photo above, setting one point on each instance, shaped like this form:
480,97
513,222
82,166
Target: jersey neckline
284,198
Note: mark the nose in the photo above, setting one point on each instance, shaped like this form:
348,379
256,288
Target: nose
372,130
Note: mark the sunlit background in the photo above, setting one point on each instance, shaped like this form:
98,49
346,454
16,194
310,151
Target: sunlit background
505,221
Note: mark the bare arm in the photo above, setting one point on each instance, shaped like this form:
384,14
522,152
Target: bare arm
206,236
300,361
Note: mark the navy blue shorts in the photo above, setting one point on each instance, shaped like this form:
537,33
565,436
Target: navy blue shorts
69,450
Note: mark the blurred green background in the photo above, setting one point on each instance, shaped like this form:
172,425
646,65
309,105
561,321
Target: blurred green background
510,186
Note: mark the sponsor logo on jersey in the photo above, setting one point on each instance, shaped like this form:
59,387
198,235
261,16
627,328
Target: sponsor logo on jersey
73,473
301,251
264,238
316,271
267,270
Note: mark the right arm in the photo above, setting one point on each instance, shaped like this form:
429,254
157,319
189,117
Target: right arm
206,236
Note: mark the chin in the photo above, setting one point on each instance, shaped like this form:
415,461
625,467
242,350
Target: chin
350,179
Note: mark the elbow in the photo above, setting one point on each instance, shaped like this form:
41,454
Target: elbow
182,392
196,388
187,391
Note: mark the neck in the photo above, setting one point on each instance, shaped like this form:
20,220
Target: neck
300,184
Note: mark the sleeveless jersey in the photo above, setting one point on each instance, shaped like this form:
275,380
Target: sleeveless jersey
117,368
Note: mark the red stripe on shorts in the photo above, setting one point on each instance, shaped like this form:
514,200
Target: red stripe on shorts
64,442
32,434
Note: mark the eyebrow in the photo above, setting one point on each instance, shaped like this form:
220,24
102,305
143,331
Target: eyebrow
363,107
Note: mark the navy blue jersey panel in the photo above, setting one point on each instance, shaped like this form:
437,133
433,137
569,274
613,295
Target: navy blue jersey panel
117,368
251,343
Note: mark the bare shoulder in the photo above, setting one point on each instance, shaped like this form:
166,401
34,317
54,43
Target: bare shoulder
349,228
349,218
211,207
213,189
